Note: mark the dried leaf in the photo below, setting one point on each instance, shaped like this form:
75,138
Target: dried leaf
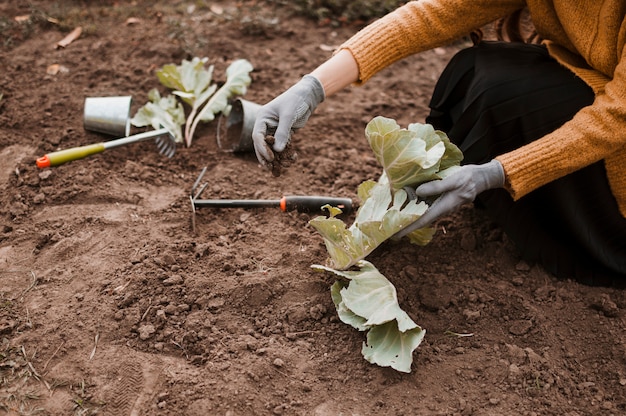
217,9
57,69
71,37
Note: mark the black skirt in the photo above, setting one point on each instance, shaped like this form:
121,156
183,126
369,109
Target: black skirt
495,97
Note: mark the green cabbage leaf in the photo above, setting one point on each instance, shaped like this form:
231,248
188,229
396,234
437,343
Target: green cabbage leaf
369,302
379,217
161,112
413,155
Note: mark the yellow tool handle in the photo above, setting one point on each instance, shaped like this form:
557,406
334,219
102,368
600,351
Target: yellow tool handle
67,155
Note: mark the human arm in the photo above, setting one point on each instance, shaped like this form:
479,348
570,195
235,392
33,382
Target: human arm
291,110
596,132
414,27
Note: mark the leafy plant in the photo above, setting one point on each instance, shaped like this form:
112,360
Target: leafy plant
409,157
370,303
193,84
380,216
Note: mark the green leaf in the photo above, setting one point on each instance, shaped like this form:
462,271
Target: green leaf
410,156
237,81
188,80
369,302
452,156
386,346
378,218
161,112
371,296
346,315
191,82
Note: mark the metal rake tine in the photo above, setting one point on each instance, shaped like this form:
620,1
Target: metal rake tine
161,144
196,183
166,146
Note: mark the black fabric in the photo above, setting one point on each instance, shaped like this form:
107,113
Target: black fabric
496,97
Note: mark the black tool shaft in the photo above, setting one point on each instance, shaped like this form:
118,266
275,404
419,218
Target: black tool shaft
300,203
236,203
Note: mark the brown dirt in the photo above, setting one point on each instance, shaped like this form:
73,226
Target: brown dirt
110,304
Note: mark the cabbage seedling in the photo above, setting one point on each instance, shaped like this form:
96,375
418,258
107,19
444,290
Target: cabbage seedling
192,83
368,301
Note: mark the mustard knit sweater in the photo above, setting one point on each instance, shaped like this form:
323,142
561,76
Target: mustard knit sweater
586,36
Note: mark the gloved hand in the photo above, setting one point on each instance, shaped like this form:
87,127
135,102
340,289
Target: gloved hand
455,190
285,114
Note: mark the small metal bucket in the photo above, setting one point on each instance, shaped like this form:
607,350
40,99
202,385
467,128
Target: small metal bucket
108,115
234,132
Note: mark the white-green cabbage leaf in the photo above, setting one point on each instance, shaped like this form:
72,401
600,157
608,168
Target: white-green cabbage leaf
369,302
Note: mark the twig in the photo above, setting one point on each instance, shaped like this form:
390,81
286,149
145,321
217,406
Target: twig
456,334
303,333
147,310
32,285
32,368
93,352
52,356
181,347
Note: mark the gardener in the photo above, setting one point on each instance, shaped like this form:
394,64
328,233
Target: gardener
542,125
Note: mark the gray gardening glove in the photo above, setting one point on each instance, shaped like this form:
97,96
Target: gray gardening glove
285,114
455,190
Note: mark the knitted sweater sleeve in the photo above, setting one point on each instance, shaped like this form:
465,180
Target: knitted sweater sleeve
421,25
596,132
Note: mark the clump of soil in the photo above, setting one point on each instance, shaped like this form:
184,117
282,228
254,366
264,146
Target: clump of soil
282,159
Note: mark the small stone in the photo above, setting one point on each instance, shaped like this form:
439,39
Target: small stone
605,305
215,303
514,370
517,281
45,174
471,315
317,312
520,327
146,331
411,272
174,280
278,363
39,198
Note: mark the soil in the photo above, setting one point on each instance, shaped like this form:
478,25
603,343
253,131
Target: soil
111,303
